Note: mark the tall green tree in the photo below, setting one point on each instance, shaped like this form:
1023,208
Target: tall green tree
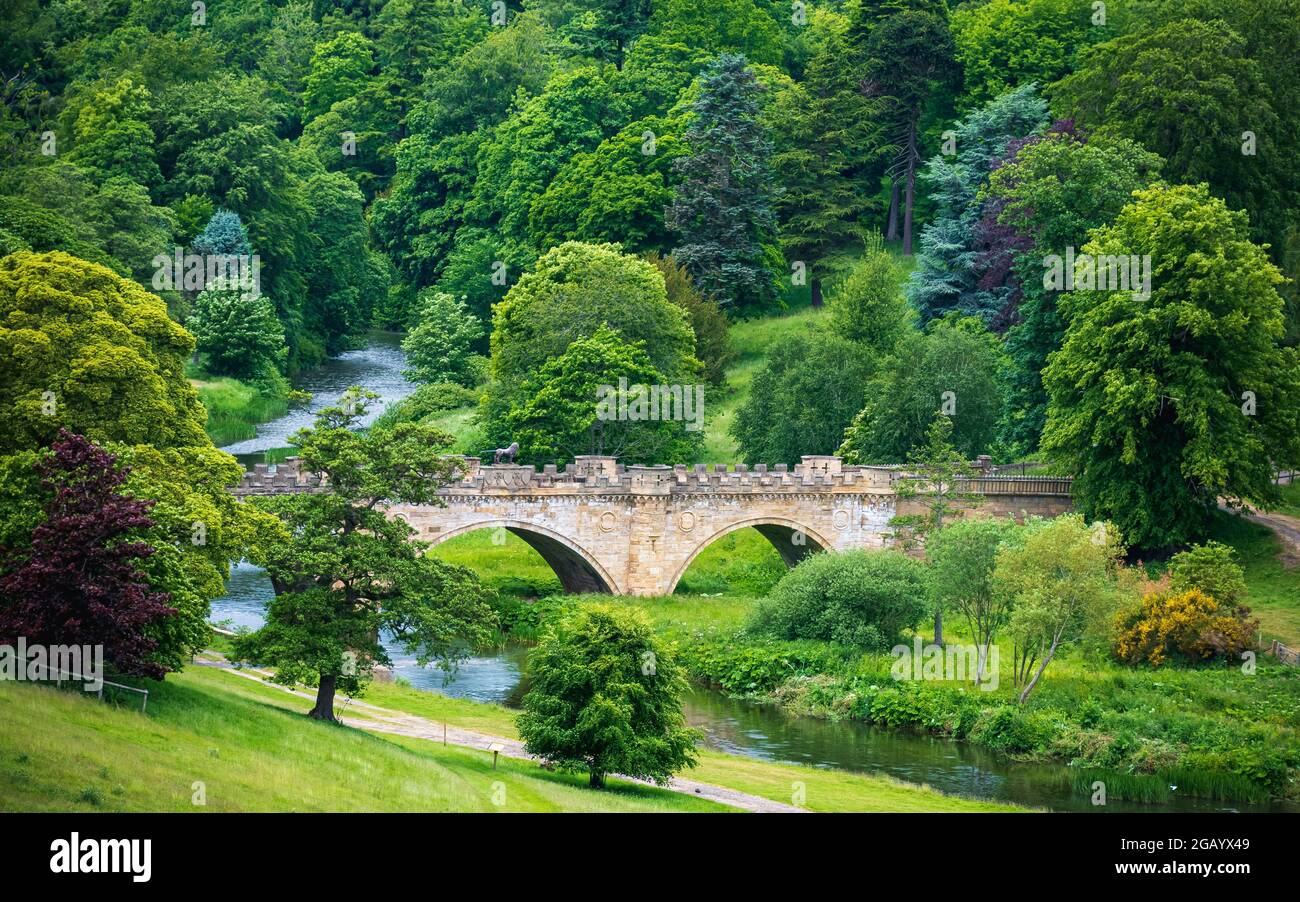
954,368
911,60
1164,405
723,208
800,402
345,573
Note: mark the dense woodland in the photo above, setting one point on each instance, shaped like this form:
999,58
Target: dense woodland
554,197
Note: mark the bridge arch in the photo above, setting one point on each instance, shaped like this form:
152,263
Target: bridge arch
777,530
577,569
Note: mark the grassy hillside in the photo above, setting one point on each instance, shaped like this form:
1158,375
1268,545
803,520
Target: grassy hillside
63,752
253,750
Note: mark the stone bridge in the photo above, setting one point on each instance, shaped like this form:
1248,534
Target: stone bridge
634,530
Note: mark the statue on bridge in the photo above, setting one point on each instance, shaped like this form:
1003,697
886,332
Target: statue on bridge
504,455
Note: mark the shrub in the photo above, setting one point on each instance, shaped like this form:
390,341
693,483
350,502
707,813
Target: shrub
861,598
1189,624
1212,568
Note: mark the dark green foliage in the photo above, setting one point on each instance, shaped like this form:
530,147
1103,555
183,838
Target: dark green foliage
606,699
862,598
722,210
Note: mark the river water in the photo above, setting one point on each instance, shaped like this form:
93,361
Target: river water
378,367
729,725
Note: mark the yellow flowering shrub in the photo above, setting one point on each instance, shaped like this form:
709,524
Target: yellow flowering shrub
1188,624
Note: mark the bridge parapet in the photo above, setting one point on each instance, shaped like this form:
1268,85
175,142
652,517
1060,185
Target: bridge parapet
602,475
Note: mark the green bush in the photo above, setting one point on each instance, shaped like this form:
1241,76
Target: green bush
860,598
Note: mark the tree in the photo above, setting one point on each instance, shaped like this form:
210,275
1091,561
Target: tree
1045,198
615,193
1163,405
112,136
599,29
868,307
962,556
865,598
572,291
722,209
79,581
955,368
911,54
1143,85
238,331
830,148
567,407
344,572
802,399
1003,44
84,348
1062,579
340,68
935,476
439,348
708,322
947,273
606,698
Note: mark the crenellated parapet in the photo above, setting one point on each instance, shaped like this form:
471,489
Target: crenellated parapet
606,527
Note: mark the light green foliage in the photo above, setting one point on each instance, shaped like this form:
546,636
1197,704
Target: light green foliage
1213,569
868,307
606,699
572,291
239,333
559,412
102,347
1006,43
864,598
615,193
962,556
1062,578
1146,395
340,68
112,137
1052,194
438,349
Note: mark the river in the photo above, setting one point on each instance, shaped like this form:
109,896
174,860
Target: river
378,367
729,725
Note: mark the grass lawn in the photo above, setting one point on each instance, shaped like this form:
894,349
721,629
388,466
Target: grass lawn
1290,500
235,408
1274,590
63,752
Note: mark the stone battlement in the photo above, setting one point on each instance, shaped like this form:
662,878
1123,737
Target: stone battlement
605,475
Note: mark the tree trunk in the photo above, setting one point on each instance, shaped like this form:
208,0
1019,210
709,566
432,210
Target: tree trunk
1047,659
324,709
891,231
816,292
911,186
938,626
596,780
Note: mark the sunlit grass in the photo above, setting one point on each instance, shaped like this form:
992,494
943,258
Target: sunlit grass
235,408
